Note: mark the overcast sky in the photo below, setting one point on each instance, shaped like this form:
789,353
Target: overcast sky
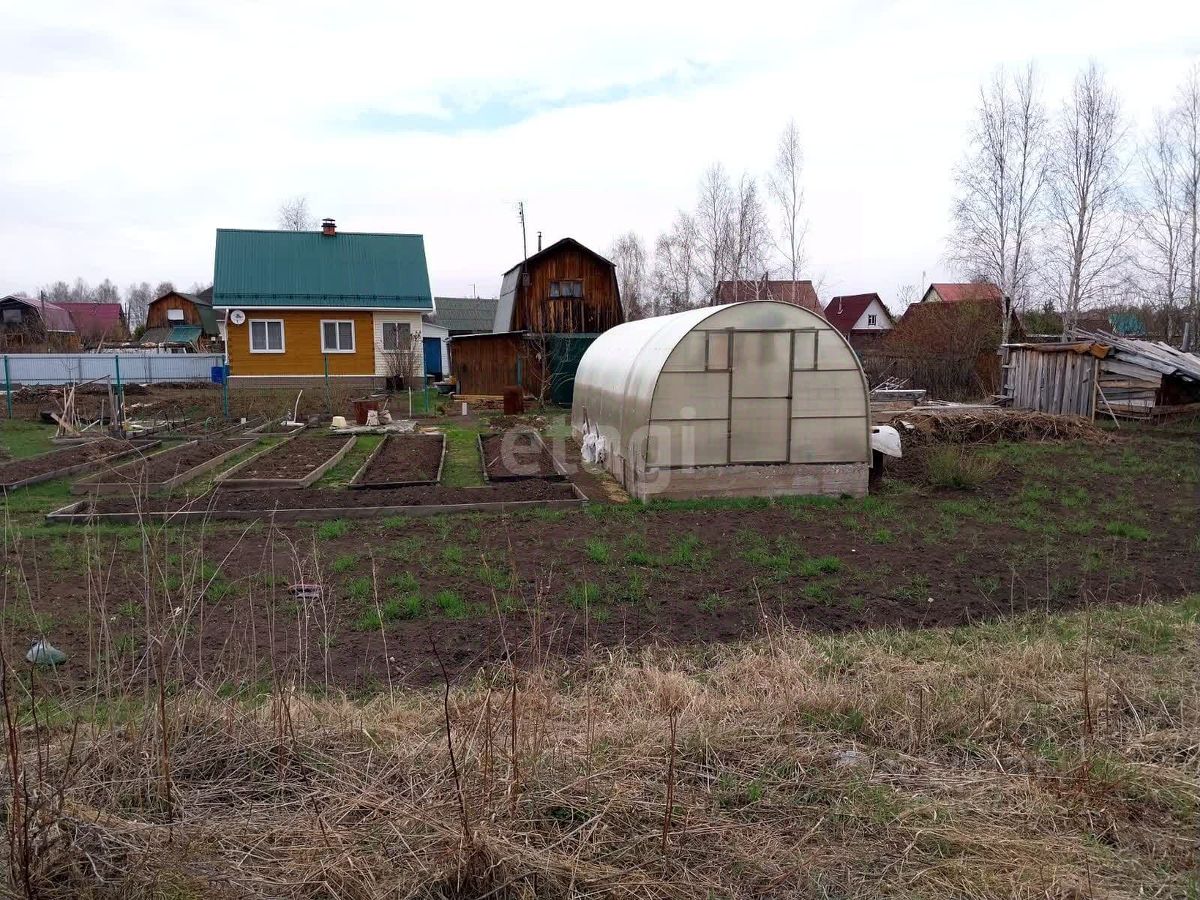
130,131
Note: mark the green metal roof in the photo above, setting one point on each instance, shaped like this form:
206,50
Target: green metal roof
185,334
306,268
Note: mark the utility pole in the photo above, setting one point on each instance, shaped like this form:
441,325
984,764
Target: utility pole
521,216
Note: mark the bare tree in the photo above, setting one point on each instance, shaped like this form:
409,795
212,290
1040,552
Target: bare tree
1187,128
59,292
1161,221
163,287
749,233
106,292
714,214
81,292
137,303
787,192
294,215
675,265
1087,202
629,254
999,183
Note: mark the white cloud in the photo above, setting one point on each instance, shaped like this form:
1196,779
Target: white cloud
131,131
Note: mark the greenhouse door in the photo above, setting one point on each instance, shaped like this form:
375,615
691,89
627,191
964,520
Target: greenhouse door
760,389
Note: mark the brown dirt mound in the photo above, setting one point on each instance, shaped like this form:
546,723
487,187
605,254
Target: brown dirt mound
405,458
292,460
166,465
516,454
33,466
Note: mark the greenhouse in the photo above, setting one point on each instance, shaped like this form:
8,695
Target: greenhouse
748,399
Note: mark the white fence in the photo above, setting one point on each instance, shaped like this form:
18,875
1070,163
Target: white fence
139,368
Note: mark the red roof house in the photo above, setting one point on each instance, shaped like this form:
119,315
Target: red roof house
95,322
797,293
957,292
859,314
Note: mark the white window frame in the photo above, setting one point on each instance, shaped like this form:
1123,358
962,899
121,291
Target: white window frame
176,315
872,319
353,336
383,328
282,336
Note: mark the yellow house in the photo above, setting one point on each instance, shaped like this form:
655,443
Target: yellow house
302,305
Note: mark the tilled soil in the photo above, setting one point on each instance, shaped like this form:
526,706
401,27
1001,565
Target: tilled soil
166,465
292,460
516,454
310,498
33,466
404,458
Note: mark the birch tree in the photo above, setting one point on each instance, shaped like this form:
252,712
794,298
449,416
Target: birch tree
293,215
996,215
628,253
787,192
1161,223
673,278
1087,204
137,303
1187,134
749,233
714,213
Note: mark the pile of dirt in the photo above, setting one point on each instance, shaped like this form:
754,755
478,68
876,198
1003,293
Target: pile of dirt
405,458
991,426
19,470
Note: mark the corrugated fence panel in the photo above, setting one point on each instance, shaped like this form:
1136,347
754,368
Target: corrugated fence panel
139,368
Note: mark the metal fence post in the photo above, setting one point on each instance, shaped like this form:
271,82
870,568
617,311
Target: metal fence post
7,387
225,390
328,399
119,395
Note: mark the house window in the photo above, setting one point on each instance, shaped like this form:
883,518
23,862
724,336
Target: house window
397,336
266,335
12,317
174,315
572,289
337,337
872,319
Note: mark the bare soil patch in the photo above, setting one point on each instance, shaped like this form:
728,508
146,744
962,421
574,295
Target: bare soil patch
168,464
292,460
516,454
33,466
416,495
404,458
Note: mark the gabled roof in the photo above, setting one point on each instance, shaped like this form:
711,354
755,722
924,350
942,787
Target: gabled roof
306,268
94,318
473,314
843,312
54,317
958,291
797,293
204,309
562,245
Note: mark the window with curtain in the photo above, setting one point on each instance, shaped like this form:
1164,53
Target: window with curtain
266,335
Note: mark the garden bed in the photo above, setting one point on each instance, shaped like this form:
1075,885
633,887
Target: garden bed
518,455
275,429
61,463
402,460
302,505
162,471
291,465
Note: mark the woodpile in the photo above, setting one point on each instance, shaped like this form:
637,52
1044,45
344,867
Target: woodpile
951,425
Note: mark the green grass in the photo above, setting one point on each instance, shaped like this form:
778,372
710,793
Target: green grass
582,595
687,553
462,467
333,529
339,476
953,467
450,604
597,551
360,587
22,439
1126,530
344,563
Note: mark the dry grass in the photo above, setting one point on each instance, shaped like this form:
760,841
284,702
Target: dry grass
991,426
1053,757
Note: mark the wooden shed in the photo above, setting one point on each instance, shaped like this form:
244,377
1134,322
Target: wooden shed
181,318
564,289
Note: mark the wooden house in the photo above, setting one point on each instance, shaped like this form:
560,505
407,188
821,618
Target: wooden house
798,293
26,324
182,319
305,306
861,318
551,307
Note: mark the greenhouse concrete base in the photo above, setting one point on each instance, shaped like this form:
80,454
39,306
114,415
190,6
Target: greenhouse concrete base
767,480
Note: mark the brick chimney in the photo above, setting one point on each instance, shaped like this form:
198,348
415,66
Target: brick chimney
328,227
